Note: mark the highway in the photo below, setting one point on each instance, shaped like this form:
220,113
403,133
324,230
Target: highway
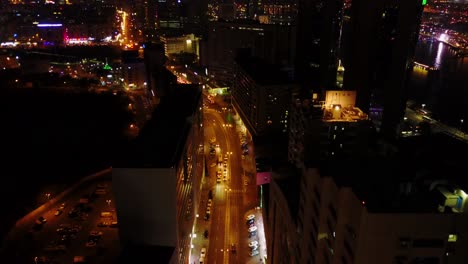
24,244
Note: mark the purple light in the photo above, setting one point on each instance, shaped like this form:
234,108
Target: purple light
49,25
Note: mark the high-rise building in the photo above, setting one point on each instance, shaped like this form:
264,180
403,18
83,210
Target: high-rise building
157,178
348,219
328,131
318,40
261,94
380,48
273,43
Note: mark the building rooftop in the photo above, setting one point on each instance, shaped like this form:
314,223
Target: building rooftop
162,139
414,180
420,178
263,73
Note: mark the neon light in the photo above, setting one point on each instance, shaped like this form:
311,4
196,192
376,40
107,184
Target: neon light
424,2
49,25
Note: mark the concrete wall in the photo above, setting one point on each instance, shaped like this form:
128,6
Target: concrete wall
146,205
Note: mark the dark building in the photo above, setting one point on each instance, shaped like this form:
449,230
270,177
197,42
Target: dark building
261,95
320,135
156,179
366,217
318,38
159,79
381,43
273,43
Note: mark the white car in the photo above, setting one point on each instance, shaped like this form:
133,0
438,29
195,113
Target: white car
250,217
252,229
203,253
253,243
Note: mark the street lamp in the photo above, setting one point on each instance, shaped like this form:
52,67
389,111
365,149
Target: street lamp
108,201
423,105
47,195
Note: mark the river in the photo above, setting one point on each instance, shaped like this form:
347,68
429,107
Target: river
444,92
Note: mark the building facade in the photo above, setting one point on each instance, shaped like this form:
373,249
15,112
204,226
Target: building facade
261,95
273,43
332,223
380,47
333,129
158,177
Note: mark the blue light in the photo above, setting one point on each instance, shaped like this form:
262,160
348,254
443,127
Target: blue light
49,25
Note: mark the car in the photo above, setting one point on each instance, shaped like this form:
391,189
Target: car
58,212
233,248
62,206
203,253
249,217
42,219
41,260
91,243
210,202
252,234
254,248
254,253
101,186
251,224
252,229
103,224
253,243
213,165
95,233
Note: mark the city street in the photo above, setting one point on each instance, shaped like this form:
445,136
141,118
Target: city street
233,197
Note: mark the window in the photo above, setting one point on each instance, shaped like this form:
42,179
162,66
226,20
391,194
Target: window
428,243
452,238
332,211
348,248
405,242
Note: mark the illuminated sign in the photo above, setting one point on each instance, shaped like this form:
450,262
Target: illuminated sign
424,2
49,25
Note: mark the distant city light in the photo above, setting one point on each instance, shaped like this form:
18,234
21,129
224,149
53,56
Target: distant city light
443,37
49,25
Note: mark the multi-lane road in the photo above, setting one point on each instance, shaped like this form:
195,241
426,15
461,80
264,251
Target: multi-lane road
233,197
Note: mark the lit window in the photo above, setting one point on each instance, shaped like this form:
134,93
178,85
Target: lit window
452,238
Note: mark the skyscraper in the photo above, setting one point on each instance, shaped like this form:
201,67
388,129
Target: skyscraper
318,34
383,35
